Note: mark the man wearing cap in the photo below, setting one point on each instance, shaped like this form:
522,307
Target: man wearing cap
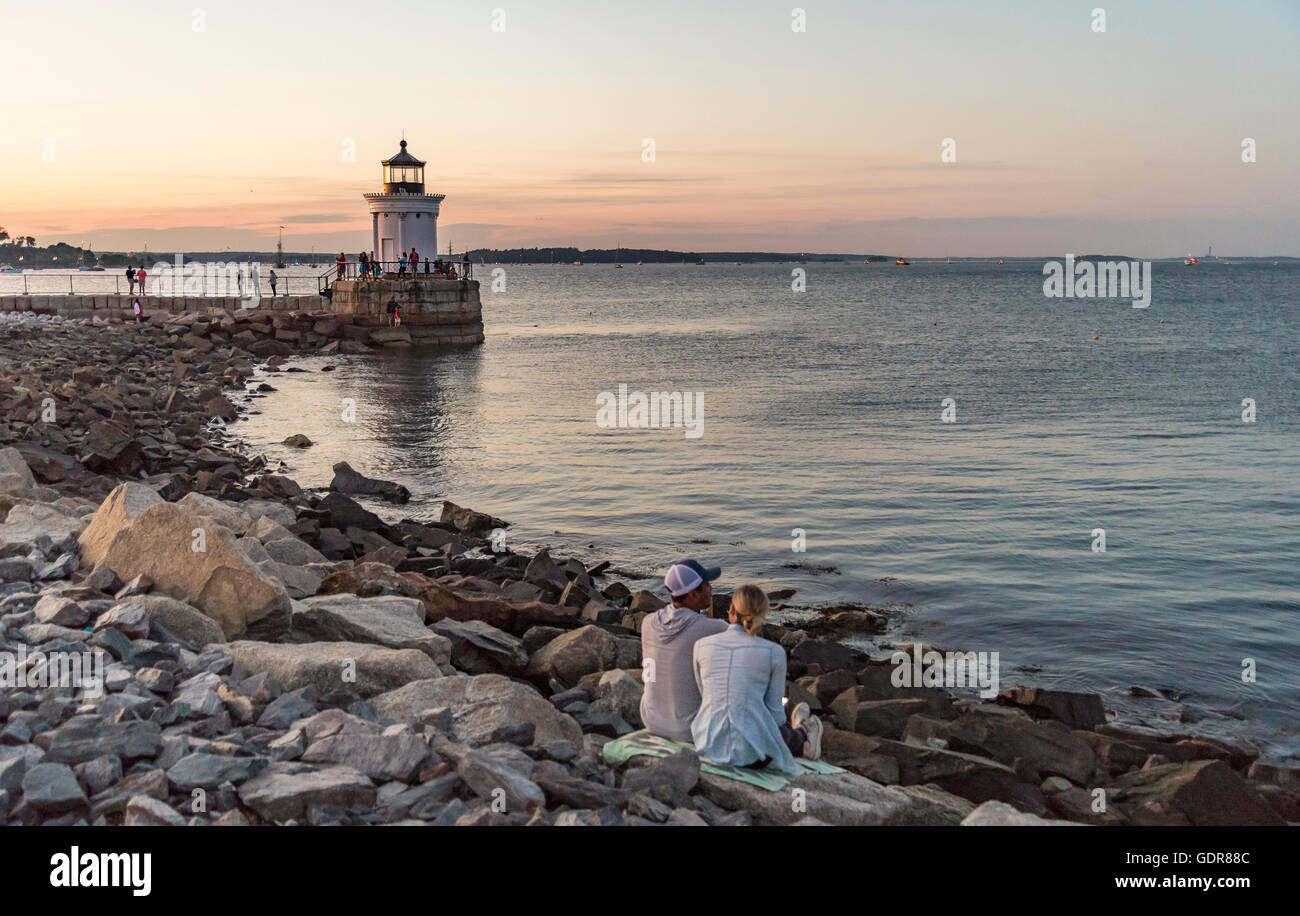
668,637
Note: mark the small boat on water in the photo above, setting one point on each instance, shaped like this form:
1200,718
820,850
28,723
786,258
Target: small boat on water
1000,261
902,262
1189,261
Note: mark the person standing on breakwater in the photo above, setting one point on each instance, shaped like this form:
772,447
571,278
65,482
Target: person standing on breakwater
138,311
363,265
376,268
401,265
130,279
741,678
342,262
140,276
394,314
273,279
414,261
668,637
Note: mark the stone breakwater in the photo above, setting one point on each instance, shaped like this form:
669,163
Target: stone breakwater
350,318
272,655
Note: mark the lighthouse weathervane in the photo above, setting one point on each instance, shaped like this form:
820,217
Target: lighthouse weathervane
403,216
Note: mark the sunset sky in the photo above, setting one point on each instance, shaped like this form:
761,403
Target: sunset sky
127,125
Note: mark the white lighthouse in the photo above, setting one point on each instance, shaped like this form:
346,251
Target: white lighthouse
404,217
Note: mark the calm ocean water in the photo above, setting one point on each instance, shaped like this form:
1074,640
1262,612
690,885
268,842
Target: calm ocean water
822,412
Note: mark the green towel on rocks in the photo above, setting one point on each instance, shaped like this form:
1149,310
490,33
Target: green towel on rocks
620,750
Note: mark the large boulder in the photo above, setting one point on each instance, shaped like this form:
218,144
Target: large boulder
975,778
182,620
490,777
574,654
480,648
385,620
110,449
1006,735
1077,710
15,476
347,480
332,666
1199,792
449,598
469,521
36,526
285,790
380,757
218,579
482,706
841,799
116,513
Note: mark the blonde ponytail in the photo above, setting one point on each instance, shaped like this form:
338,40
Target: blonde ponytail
750,606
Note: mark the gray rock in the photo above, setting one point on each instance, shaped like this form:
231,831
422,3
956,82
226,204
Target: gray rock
293,552
380,757
54,609
200,694
578,652
184,620
144,811
1000,814
387,620
129,618
289,707
481,705
490,778
480,648
285,790
207,771
52,788
129,740
328,666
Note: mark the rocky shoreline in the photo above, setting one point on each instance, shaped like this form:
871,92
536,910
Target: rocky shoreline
273,655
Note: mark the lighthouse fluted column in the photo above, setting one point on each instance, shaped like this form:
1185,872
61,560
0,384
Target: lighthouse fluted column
374,238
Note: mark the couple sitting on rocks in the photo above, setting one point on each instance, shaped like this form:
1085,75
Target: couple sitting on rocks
720,687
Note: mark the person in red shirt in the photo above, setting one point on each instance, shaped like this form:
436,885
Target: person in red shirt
414,261
140,277
342,262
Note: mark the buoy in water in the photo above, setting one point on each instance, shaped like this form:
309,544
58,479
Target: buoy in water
1098,337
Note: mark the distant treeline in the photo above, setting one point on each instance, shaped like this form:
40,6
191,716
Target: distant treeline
648,255
28,254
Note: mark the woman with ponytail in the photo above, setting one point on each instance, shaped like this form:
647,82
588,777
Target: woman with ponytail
741,677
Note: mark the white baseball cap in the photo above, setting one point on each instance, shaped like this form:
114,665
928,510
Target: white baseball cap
681,579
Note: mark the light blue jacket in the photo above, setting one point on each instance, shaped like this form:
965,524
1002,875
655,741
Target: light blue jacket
741,680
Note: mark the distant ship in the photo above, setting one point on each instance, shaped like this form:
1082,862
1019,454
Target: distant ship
1189,261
